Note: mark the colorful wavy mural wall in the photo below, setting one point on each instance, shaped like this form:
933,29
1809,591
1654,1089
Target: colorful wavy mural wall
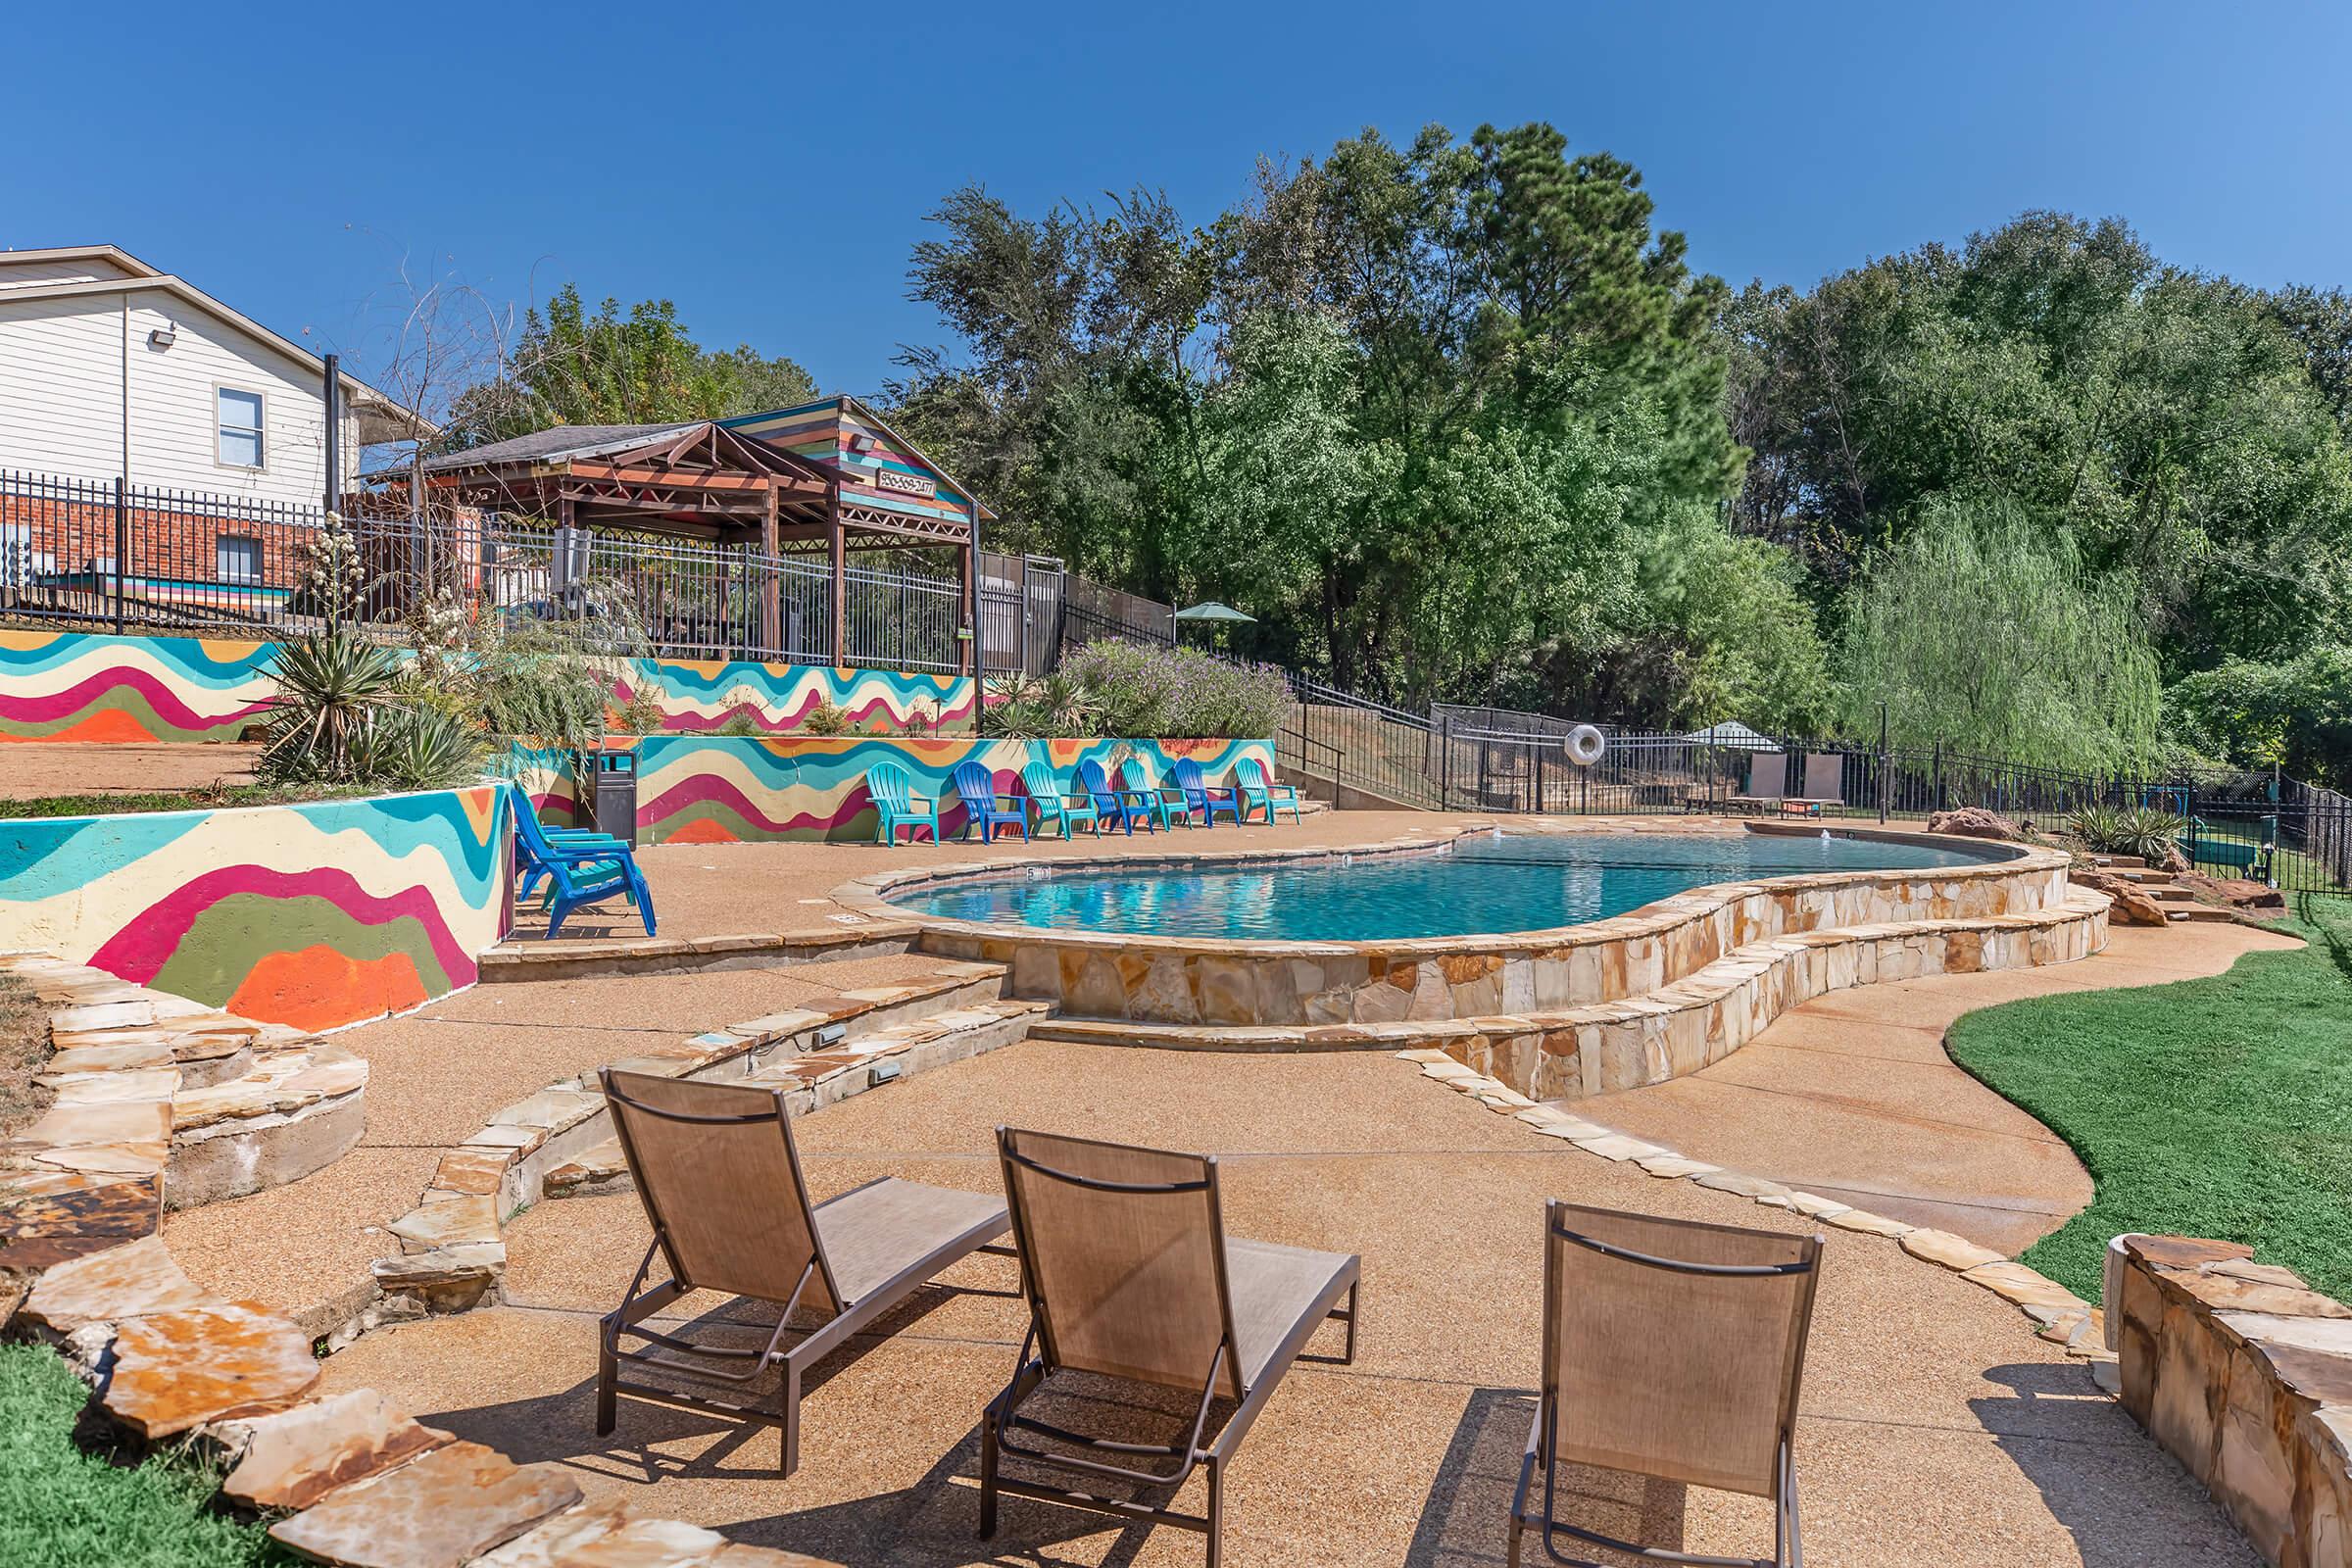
713,789
81,686
74,686
313,916
699,696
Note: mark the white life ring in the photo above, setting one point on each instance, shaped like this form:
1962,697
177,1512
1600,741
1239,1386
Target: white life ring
1585,744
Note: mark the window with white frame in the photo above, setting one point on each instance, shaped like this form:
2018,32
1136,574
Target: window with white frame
237,558
239,417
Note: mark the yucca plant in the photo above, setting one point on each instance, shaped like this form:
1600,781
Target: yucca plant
329,684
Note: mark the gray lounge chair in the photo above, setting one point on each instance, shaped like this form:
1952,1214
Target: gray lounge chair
1825,780
1130,1276
1767,782
1672,1350
720,1177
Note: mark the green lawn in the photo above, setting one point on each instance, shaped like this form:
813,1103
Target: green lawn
60,1507
2218,1108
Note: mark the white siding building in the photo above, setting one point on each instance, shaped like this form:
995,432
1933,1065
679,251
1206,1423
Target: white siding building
109,368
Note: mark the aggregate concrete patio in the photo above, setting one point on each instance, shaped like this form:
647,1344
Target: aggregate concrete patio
1851,1095
1936,1427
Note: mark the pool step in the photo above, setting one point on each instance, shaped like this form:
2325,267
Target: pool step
1645,1039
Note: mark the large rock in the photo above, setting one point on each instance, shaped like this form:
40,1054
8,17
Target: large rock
292,1459
2129,906
2239,893
175,1371
1974,822
439,1511
135,1280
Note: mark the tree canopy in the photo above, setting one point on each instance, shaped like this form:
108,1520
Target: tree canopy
1454,419
571,366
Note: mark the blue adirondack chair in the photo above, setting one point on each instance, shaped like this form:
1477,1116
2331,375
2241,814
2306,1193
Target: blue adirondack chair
1261,794
1125,808
534,841
581,868
1203,798
1053,803
976,786
897,806
1162,800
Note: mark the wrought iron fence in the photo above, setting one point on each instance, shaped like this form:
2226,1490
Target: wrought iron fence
102,554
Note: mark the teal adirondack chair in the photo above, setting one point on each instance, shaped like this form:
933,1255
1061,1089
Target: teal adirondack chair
1053,804
1261,794
897,806
1135,773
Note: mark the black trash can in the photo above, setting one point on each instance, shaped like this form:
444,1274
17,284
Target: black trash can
610,782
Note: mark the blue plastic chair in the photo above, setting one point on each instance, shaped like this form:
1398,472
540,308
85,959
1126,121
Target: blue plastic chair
1124,808
580,869
1203,799
1154,797
977,788
534,841
897,806
1053,803
1260,793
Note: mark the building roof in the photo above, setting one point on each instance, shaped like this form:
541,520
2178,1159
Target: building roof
555,443
851,405
379,414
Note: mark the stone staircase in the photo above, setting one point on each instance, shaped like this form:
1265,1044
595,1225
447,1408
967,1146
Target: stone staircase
178,1104
2179,901
560,1141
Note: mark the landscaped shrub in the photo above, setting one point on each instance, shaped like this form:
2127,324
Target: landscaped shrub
2147,832
1121,688
827,719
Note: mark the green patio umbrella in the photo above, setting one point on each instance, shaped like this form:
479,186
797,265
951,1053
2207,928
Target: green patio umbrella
1212,611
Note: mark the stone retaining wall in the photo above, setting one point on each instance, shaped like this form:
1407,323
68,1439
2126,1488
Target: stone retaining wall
2245,1375
1188,981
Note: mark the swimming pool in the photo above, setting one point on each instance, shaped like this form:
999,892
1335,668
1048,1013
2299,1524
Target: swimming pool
1487,883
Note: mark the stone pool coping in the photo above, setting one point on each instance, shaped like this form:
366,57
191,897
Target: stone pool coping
1233,982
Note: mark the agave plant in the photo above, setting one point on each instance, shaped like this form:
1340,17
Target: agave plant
414,748
2145,831
329,684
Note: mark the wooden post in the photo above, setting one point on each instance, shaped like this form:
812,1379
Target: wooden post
771,610
969,661
841,590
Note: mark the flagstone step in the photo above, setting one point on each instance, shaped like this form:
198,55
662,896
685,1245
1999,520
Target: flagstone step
154,1087
565,958
2199,913
820,1078
1678,1028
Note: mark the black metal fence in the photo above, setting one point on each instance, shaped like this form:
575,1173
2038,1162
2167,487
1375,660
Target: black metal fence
106,555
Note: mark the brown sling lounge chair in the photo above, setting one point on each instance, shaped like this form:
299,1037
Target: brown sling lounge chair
1767,782
1672,1350
720,1181
1130,1275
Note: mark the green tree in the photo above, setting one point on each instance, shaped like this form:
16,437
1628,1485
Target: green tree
1984,630
606,366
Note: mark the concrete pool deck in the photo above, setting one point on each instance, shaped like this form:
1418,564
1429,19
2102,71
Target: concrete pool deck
1851,1095
1934,1426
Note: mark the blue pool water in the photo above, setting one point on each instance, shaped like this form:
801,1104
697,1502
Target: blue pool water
1515,882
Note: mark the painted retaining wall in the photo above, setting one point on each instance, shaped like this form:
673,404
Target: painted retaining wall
313,916
715,789
83,686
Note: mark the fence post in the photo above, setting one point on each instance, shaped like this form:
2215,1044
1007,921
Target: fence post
122,545
1885,761
1936,781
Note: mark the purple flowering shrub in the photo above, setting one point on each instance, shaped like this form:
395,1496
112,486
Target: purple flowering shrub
1119,688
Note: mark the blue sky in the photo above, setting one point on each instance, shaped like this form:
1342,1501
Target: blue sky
769,169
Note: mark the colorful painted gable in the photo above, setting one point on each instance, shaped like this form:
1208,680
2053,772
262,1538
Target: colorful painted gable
889,477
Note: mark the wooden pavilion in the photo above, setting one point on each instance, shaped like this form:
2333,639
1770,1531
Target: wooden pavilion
716,483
